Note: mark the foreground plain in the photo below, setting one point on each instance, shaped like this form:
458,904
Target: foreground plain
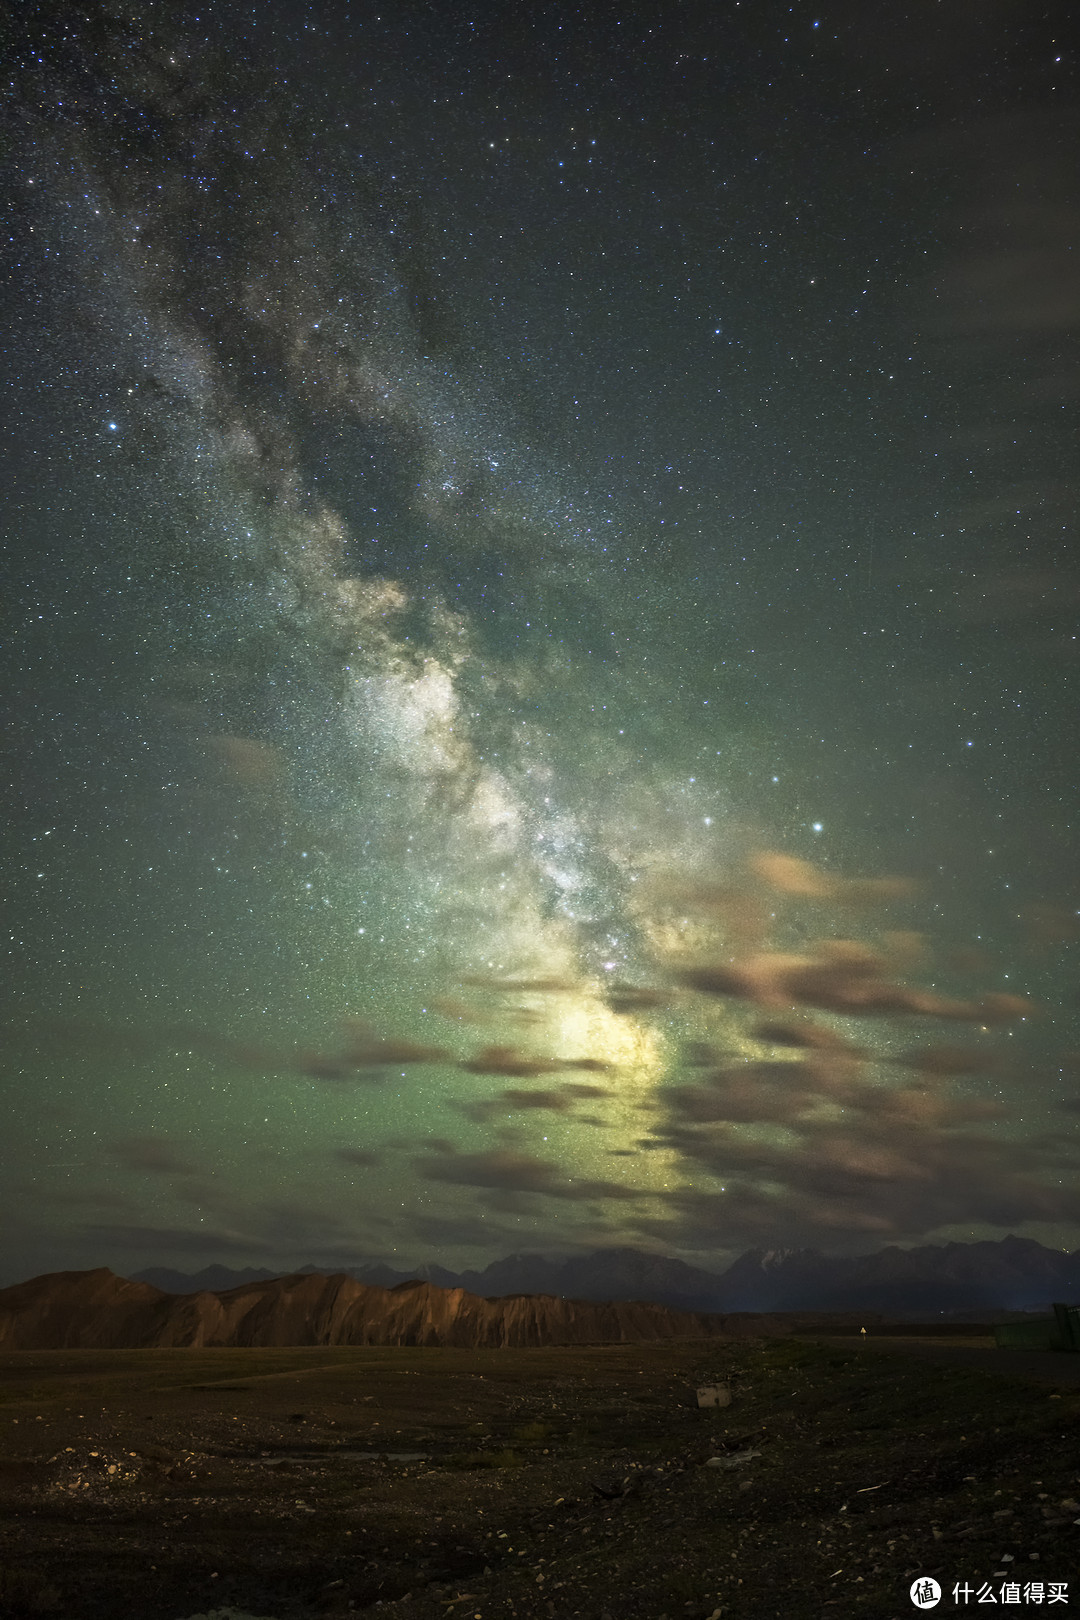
569,1482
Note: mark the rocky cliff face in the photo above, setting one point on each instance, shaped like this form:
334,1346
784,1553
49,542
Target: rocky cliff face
98,1310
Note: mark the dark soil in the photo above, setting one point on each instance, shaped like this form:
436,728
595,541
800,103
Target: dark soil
158,1485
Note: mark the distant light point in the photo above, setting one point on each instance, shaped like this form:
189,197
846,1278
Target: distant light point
818,826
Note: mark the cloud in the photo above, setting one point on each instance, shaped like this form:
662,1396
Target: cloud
946,1060
509,1061
504,1169
249,763
891,1176
743,1101
324,1066
906,948
626,998
461,1012
171,1240
790,875
794,1092
357,1156
361,1054
742,915
550,984
815,1145
847,977
557,1100
363,1049
813,1037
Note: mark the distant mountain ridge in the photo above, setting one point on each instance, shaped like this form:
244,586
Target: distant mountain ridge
1009,1274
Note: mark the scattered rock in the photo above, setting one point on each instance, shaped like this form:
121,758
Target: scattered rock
230,1614
735,1459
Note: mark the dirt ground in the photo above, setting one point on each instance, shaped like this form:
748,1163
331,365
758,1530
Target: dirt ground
566,1483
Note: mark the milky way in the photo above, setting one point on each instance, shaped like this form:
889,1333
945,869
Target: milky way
493,771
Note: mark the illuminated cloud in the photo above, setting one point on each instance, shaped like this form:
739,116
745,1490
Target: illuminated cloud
813,1037
790,875
546,984
461,1012
895,1176
848,977
559,1100
741,916
629,998
503,1169
509,1061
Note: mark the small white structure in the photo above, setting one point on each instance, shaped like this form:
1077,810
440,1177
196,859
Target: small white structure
714,1395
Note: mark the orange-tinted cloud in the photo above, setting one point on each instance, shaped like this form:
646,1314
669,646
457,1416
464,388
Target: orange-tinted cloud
790,875
900,1171
813,1037
845,977
906,948
742,915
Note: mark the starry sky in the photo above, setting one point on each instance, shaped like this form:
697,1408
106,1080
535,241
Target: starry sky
539,630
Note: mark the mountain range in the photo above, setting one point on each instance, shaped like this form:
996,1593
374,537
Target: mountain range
1013,1274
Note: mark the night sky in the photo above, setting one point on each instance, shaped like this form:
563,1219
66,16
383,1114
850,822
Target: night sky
539,630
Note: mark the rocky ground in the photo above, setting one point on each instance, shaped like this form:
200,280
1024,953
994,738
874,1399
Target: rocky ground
569,1483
